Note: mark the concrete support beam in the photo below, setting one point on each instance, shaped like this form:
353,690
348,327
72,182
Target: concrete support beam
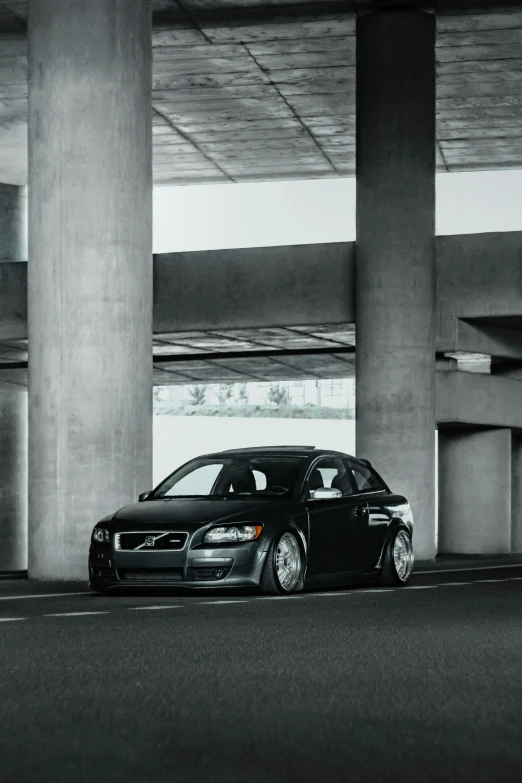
516,493
90,272
475,492
13,480
476,399
395,258
254,287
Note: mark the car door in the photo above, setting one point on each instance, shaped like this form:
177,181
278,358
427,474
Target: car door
375,495
338,527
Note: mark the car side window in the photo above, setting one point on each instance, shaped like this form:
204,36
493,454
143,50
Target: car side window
365,479
330,473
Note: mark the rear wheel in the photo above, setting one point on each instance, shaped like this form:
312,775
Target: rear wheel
398,559
283,566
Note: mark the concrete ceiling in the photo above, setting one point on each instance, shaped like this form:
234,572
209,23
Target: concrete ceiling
247,90
270,354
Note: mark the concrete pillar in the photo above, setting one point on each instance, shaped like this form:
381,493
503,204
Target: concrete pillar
13,479
395,295
13,223
516,494
90,272
475,491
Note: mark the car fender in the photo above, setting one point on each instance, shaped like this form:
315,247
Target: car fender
395,524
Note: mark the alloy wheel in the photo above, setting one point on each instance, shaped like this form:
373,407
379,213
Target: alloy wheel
403,555
288,562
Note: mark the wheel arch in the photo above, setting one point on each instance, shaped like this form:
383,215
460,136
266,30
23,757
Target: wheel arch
396,523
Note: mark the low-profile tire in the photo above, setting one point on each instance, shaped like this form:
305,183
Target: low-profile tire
398,559
283,566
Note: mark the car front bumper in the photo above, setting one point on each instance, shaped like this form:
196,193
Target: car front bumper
239,565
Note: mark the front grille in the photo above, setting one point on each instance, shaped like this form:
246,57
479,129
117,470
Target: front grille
154,541
158,575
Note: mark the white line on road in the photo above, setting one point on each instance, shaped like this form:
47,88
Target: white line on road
40,595
71,614
278,597
243,601
377,590
166,606
454,584
483,581
422,587
11,619
473,568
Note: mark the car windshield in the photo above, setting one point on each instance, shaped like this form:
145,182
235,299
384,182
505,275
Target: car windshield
233,476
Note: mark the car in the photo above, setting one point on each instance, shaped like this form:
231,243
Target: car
278,519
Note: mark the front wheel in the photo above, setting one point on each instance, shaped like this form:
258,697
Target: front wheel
283,566
398,559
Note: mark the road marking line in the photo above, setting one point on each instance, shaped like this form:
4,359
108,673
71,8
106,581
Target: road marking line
377,590
223,602
454,584
40,595
11,619
422,587
71,614
473,568
482,581
514,579
138,608
277,597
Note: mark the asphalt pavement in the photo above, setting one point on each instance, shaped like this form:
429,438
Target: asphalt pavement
422,683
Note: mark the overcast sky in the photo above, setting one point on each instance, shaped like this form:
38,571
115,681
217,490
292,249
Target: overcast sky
211,217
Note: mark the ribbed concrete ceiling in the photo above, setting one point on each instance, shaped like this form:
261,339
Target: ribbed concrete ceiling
247,90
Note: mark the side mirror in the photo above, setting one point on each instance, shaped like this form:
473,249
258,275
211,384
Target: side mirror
144,496
326,493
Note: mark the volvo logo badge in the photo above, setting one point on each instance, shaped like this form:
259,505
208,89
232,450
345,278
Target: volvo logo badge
149,540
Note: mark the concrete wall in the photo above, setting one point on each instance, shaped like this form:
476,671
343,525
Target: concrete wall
475,492
13,300
254,287
516,494
13,480
13,223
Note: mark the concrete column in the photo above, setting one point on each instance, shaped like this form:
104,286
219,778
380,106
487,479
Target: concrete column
516,494
395,295
13,479
13,223
475,491
90,272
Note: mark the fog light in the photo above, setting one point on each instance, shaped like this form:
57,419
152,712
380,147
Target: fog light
219,573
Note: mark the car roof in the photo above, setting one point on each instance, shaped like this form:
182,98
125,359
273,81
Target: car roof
294,451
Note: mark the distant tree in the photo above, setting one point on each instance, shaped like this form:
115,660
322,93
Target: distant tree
224,392
197,395
242,394
277,395
156,394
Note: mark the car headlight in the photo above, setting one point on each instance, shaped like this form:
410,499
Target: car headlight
231,533
100,535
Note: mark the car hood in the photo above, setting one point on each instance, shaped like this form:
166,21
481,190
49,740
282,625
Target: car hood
191,512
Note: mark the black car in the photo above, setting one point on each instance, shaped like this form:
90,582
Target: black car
277,518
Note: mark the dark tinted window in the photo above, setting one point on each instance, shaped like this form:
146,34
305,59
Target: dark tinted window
365,479
330,473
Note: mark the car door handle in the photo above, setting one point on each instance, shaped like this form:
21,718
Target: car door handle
360,511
